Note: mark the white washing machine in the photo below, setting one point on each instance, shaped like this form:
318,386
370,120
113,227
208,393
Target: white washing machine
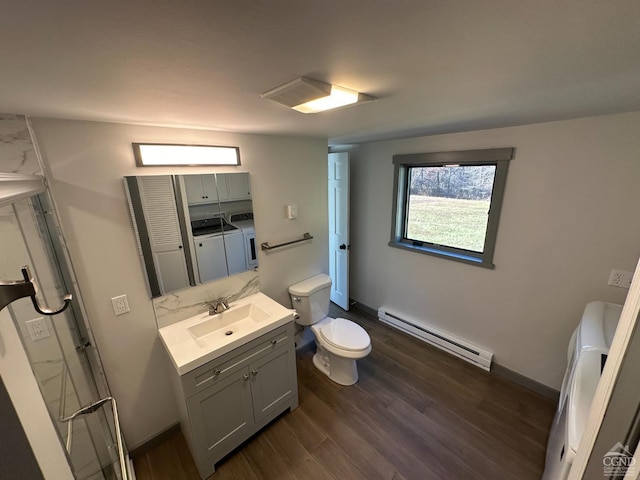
587,354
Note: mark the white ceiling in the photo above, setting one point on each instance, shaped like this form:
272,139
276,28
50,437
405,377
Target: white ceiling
437,66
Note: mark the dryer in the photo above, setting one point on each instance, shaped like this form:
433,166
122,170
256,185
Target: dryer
587,354
244,221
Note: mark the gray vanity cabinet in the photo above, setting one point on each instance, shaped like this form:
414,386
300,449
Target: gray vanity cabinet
229,399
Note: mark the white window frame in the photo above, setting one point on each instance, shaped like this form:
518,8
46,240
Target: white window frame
402,163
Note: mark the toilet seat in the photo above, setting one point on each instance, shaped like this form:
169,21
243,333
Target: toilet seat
343,334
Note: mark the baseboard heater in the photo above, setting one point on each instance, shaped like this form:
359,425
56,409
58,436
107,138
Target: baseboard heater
471,353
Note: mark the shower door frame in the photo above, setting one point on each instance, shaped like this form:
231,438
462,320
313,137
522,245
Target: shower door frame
14,188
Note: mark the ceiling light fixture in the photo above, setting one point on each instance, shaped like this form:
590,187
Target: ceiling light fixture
307,95
164,154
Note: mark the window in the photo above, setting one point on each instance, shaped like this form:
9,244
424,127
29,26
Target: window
448,203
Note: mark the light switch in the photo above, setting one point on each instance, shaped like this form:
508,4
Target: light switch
292,211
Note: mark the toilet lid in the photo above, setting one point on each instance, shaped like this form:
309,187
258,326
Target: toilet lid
345,334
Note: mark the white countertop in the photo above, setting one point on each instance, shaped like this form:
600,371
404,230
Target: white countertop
188,352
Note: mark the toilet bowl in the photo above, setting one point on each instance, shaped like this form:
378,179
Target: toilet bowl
340,342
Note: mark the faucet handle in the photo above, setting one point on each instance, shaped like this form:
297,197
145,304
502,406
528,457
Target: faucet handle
225,300
211,306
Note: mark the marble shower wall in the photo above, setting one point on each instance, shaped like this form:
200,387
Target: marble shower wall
17,153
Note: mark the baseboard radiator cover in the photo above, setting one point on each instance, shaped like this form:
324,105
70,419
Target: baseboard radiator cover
444,341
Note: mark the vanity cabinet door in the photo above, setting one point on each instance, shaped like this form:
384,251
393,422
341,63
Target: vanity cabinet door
221,416
273,383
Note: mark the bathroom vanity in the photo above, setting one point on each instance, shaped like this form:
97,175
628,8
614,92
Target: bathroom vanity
232,374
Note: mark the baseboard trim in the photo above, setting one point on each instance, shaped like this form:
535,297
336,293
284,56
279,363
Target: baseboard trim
363,308
497,369
155,441
526,382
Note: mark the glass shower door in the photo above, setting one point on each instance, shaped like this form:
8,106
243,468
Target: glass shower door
60,348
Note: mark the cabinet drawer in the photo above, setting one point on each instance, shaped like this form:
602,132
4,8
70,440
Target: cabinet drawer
220,368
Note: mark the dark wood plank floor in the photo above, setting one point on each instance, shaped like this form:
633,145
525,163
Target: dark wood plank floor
416,413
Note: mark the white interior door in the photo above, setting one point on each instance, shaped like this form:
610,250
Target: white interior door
339,228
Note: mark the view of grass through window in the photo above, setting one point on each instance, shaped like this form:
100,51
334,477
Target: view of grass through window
449,205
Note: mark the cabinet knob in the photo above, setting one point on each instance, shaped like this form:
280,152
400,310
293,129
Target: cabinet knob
200,244
254,372
217,371
245,377
274,341
180,246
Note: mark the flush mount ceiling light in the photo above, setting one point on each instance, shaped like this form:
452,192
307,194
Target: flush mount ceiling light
165,154
307,95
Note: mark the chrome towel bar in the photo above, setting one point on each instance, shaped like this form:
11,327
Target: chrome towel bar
266,246
124,475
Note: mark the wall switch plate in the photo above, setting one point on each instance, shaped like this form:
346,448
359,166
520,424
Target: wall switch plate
292,211
38,329
120,305
620,278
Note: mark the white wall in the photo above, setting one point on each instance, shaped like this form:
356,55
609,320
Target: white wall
87,161
569,217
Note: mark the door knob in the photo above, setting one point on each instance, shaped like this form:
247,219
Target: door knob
343,247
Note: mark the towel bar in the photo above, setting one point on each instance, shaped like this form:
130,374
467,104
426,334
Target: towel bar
266,246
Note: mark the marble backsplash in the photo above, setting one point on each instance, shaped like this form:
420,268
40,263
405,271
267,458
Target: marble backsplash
180,305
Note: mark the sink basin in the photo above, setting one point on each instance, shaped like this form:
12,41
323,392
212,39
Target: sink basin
197,340
228,322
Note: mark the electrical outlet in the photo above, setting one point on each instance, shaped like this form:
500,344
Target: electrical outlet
38,329
120,305
620,278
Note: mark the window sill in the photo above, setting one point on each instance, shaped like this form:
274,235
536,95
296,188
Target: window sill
436,252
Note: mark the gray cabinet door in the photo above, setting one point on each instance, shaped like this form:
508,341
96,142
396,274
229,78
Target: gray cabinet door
221,416
273,383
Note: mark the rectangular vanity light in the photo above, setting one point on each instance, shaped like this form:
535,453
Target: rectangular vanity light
164,154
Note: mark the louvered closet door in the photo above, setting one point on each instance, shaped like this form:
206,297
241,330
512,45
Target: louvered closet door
161,217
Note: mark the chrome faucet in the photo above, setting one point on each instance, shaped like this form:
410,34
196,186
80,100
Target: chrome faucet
218,306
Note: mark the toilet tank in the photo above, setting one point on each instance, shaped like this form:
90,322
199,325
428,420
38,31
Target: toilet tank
310,298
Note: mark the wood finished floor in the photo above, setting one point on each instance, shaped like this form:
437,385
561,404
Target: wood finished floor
416,413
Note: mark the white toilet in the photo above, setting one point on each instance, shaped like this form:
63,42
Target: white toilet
340,342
